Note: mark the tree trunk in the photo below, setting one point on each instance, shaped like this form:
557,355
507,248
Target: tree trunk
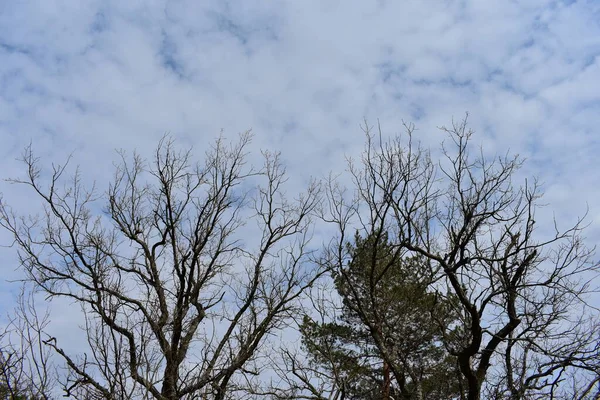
386,381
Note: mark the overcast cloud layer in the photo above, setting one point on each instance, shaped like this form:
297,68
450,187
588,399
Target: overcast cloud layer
92,76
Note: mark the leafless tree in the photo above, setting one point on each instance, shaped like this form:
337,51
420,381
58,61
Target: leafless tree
26,370
294,375
524,329
180,278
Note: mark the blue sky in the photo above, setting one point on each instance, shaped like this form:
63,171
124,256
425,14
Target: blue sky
88,77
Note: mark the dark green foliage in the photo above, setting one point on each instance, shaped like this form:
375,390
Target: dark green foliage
387,329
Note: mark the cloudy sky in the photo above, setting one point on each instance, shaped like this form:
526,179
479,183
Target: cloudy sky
88,77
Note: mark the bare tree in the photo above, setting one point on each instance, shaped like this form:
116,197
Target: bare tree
296,375
176,300
26,370
524,329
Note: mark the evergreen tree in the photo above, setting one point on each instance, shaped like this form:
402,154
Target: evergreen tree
385,342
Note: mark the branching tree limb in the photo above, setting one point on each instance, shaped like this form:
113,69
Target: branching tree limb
26,369
519,292
176,300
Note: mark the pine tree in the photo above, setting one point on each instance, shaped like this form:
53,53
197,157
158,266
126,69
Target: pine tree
386,342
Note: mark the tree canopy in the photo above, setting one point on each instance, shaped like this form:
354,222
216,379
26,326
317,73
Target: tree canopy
436,281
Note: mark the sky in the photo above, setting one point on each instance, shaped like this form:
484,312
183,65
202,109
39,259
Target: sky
88,77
